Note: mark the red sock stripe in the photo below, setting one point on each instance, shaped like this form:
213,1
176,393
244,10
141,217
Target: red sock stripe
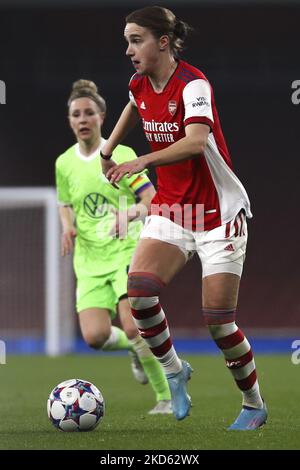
147,275
231,340
143,284
146,312
218,317
154,330
163,348
239,362
248,382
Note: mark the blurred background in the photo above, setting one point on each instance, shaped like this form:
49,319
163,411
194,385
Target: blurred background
249,52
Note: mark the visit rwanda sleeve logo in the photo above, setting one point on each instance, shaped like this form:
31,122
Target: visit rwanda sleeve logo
95,205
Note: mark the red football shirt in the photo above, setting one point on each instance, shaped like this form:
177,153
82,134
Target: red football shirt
200,193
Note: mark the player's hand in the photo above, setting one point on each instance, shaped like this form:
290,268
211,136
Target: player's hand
107,165
67,241
130,168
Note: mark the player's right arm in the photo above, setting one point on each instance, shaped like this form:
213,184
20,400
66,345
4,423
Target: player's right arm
67,219
127,121
66,213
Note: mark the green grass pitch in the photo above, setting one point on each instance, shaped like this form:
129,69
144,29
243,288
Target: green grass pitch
27,381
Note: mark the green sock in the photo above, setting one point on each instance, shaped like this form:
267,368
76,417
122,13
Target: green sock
152,368
156,376
117,340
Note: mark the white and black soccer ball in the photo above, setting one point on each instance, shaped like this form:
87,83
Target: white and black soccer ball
75,405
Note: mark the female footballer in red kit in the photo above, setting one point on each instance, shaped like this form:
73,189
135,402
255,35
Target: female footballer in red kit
200,205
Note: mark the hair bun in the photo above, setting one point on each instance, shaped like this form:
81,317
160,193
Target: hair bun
87,89
86,85
181,29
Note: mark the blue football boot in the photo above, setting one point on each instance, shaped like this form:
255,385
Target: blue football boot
181,401
250,419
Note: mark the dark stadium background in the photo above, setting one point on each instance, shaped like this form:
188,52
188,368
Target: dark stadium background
250,53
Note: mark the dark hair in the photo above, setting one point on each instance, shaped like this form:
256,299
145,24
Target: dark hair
87,89
161,21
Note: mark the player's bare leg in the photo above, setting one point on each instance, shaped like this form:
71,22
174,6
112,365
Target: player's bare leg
95,325
154,264
220,295
98,333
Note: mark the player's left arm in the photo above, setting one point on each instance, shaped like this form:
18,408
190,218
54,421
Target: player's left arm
190,146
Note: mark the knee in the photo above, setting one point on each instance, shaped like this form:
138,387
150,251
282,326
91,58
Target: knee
95,340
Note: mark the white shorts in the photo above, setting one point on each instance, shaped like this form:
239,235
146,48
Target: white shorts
220,250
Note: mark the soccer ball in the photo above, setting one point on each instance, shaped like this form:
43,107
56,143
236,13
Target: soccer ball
75,405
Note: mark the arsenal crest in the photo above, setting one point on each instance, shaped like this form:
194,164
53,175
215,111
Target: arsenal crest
172,106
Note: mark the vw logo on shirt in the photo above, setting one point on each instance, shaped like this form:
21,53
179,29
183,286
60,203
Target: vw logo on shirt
95,205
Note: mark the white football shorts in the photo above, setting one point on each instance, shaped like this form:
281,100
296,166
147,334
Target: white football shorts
221,250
